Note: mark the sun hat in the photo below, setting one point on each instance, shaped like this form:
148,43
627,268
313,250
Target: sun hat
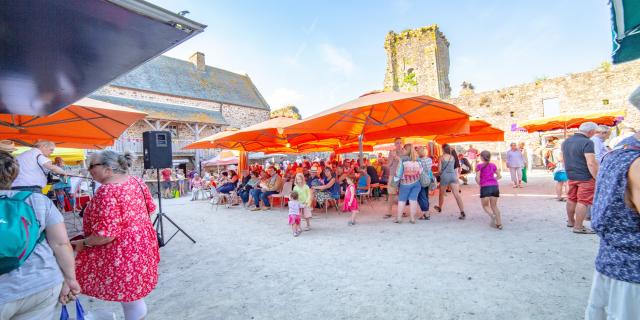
7,146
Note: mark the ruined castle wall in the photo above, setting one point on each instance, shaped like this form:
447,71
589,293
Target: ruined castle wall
605,88
418,61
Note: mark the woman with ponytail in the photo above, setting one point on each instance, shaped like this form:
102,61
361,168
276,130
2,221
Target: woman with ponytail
118,258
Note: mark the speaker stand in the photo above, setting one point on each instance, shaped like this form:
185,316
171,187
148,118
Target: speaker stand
160,216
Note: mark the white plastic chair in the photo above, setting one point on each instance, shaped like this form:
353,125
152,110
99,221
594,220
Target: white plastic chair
284,193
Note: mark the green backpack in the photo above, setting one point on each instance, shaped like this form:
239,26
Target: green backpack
20,231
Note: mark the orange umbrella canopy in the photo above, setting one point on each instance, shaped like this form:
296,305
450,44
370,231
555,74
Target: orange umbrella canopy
219,141
86,124
573,120
480,131
384,115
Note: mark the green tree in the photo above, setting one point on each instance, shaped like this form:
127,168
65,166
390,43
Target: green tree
288,112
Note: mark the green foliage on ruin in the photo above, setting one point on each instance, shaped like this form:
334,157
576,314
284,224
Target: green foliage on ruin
287,112
605,66
410,79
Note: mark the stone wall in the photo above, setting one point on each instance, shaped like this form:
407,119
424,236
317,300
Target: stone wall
418,61
605,88
240,117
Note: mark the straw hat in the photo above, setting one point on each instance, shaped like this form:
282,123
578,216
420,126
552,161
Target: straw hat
7,146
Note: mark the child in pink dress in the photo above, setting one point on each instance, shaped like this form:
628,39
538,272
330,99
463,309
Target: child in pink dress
350,202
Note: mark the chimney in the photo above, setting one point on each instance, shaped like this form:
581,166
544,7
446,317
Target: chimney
198,61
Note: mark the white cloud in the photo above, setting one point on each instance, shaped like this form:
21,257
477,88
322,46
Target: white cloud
338,59
283,97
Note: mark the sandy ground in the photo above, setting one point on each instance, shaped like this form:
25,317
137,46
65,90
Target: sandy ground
247,265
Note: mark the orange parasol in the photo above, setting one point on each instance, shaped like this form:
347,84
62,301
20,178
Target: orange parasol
384,115
480,131
218,141
573,120
86,124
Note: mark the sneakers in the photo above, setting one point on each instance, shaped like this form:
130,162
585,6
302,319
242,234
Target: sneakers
266,208
255,209
307,229
351,223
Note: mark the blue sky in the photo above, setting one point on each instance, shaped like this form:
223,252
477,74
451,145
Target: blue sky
318,54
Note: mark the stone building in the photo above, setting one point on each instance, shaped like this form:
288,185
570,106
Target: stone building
187,98
605,88
418,61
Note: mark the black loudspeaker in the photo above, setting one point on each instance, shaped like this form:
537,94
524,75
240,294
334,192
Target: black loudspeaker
156,147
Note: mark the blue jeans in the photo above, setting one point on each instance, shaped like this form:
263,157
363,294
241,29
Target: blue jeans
244,195
255,194
409,191
423,199
226,188
265,197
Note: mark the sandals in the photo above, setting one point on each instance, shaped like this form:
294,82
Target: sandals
437,208
462,216
412,221
499,226
397,221
584,230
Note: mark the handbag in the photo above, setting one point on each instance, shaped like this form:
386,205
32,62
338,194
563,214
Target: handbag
64,314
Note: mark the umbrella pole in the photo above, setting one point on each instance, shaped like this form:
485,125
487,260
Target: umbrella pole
360,148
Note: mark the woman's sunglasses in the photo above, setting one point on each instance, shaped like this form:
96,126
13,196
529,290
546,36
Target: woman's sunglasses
93,165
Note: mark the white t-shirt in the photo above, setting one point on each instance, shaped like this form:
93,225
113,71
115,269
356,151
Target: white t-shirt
294,207
31,165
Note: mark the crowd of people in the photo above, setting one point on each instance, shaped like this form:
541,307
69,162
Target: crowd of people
118,261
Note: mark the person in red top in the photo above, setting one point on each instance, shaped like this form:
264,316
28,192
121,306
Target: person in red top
118,258
166,182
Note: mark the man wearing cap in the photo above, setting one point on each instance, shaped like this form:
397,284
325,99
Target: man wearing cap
615,218
599,147
34,167
582,168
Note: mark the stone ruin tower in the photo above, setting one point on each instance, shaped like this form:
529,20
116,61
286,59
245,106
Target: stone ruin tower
418,61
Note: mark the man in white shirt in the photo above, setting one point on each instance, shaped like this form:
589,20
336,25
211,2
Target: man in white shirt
599,145
34,167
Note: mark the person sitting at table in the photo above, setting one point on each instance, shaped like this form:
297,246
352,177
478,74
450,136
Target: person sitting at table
273,186
229,182
62,188
247,185
465,168
364,181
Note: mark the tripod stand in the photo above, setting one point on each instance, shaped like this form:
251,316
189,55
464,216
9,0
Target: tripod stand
158,222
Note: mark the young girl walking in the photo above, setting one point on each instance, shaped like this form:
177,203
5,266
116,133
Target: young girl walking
350,201
487,176
294,213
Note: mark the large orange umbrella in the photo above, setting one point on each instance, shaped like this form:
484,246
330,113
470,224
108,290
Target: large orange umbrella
218,141
573,120
480,131
86,124
384,115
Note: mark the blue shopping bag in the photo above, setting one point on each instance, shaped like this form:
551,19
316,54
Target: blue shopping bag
64,314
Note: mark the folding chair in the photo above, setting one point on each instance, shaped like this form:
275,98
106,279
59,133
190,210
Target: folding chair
284,193
362,196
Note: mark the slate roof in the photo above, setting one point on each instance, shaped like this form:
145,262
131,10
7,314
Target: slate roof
166,111
181,78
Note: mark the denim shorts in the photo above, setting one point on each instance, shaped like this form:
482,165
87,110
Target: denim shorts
409,191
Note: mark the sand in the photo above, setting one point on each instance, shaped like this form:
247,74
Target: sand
247,265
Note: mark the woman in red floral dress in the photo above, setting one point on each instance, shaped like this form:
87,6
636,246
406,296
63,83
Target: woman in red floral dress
118,258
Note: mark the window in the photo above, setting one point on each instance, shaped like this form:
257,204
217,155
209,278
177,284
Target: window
174,131
551,107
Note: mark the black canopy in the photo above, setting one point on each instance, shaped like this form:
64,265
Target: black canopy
55,52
